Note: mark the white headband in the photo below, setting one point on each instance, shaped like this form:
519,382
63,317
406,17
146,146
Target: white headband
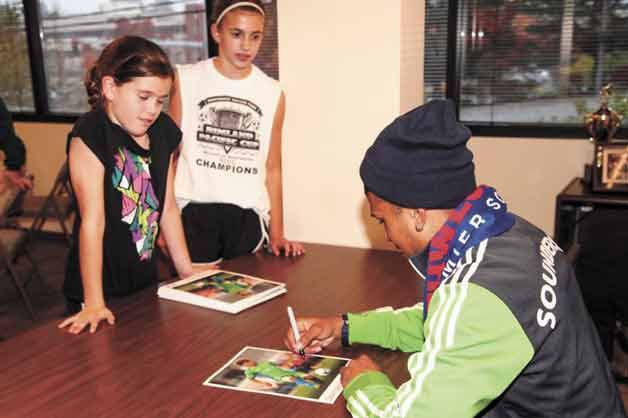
239,4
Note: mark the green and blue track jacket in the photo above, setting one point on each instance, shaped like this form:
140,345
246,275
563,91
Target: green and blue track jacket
507,335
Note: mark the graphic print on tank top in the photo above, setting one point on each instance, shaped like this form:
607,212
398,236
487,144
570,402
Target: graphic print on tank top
228,133
131,177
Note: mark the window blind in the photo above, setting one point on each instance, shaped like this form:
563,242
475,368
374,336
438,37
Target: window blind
530,61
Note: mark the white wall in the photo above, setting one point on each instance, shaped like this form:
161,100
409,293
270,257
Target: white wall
45,151
340,65
529,173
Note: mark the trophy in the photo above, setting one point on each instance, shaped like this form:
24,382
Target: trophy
604,122
610,165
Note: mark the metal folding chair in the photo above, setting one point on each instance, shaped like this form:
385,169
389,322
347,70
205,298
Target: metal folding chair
14,245
59,204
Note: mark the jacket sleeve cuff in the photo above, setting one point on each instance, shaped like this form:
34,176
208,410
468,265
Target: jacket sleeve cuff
359,330
363,380
12,166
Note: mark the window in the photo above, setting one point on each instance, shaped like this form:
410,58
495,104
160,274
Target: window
67,37
435,62
268,57
74,33
15,76
529,67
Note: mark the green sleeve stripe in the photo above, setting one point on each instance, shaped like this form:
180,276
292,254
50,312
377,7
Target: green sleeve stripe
373,409
376,402
356,409
364,380
451,295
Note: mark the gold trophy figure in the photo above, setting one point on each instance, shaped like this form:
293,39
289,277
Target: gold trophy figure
604,122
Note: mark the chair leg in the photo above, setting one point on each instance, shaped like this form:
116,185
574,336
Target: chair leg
22,292
34,268
61,219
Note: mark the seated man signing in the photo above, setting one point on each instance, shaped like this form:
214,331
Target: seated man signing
502,330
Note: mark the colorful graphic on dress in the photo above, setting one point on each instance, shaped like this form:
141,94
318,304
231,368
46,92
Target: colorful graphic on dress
230,122
131,177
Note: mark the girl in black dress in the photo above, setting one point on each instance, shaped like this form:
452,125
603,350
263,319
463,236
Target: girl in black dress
119,156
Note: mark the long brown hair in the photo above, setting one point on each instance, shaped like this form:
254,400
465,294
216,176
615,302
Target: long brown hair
123,59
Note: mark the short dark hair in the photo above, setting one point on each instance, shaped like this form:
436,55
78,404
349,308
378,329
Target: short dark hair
221,5
123,59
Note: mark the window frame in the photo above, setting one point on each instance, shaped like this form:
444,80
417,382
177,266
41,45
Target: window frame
42,111
509,130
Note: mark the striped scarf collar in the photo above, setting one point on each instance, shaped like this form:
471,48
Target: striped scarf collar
483,214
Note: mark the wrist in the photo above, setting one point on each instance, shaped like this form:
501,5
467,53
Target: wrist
344,330
184,271
183,266
275,230
93,301
276,236
92,305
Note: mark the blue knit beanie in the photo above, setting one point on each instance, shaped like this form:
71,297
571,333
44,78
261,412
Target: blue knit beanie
421,159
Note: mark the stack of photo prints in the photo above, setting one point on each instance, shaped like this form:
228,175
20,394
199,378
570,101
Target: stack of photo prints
282,373
222,290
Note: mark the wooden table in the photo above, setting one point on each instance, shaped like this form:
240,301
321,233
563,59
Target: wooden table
153,361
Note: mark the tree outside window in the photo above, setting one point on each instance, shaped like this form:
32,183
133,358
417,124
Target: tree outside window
540,62
15,77
72,33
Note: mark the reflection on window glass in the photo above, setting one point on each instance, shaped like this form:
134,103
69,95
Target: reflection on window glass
15,77
75,31
268,58
435,53
539,61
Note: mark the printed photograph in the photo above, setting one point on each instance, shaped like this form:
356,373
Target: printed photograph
226,287
615,165
281,373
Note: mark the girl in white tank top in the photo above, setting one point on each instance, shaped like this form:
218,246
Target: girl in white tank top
231,115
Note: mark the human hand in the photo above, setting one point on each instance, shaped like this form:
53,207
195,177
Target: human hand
18,179
196,268
316,333
360,365
88,315
289,248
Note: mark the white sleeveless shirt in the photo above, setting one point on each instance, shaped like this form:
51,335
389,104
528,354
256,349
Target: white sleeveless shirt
227,126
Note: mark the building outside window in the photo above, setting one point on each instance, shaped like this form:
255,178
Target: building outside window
15,77
73,32
528,62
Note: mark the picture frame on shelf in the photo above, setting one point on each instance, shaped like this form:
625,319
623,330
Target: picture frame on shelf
610,171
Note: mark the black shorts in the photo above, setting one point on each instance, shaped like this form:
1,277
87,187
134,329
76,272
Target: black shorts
215,231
